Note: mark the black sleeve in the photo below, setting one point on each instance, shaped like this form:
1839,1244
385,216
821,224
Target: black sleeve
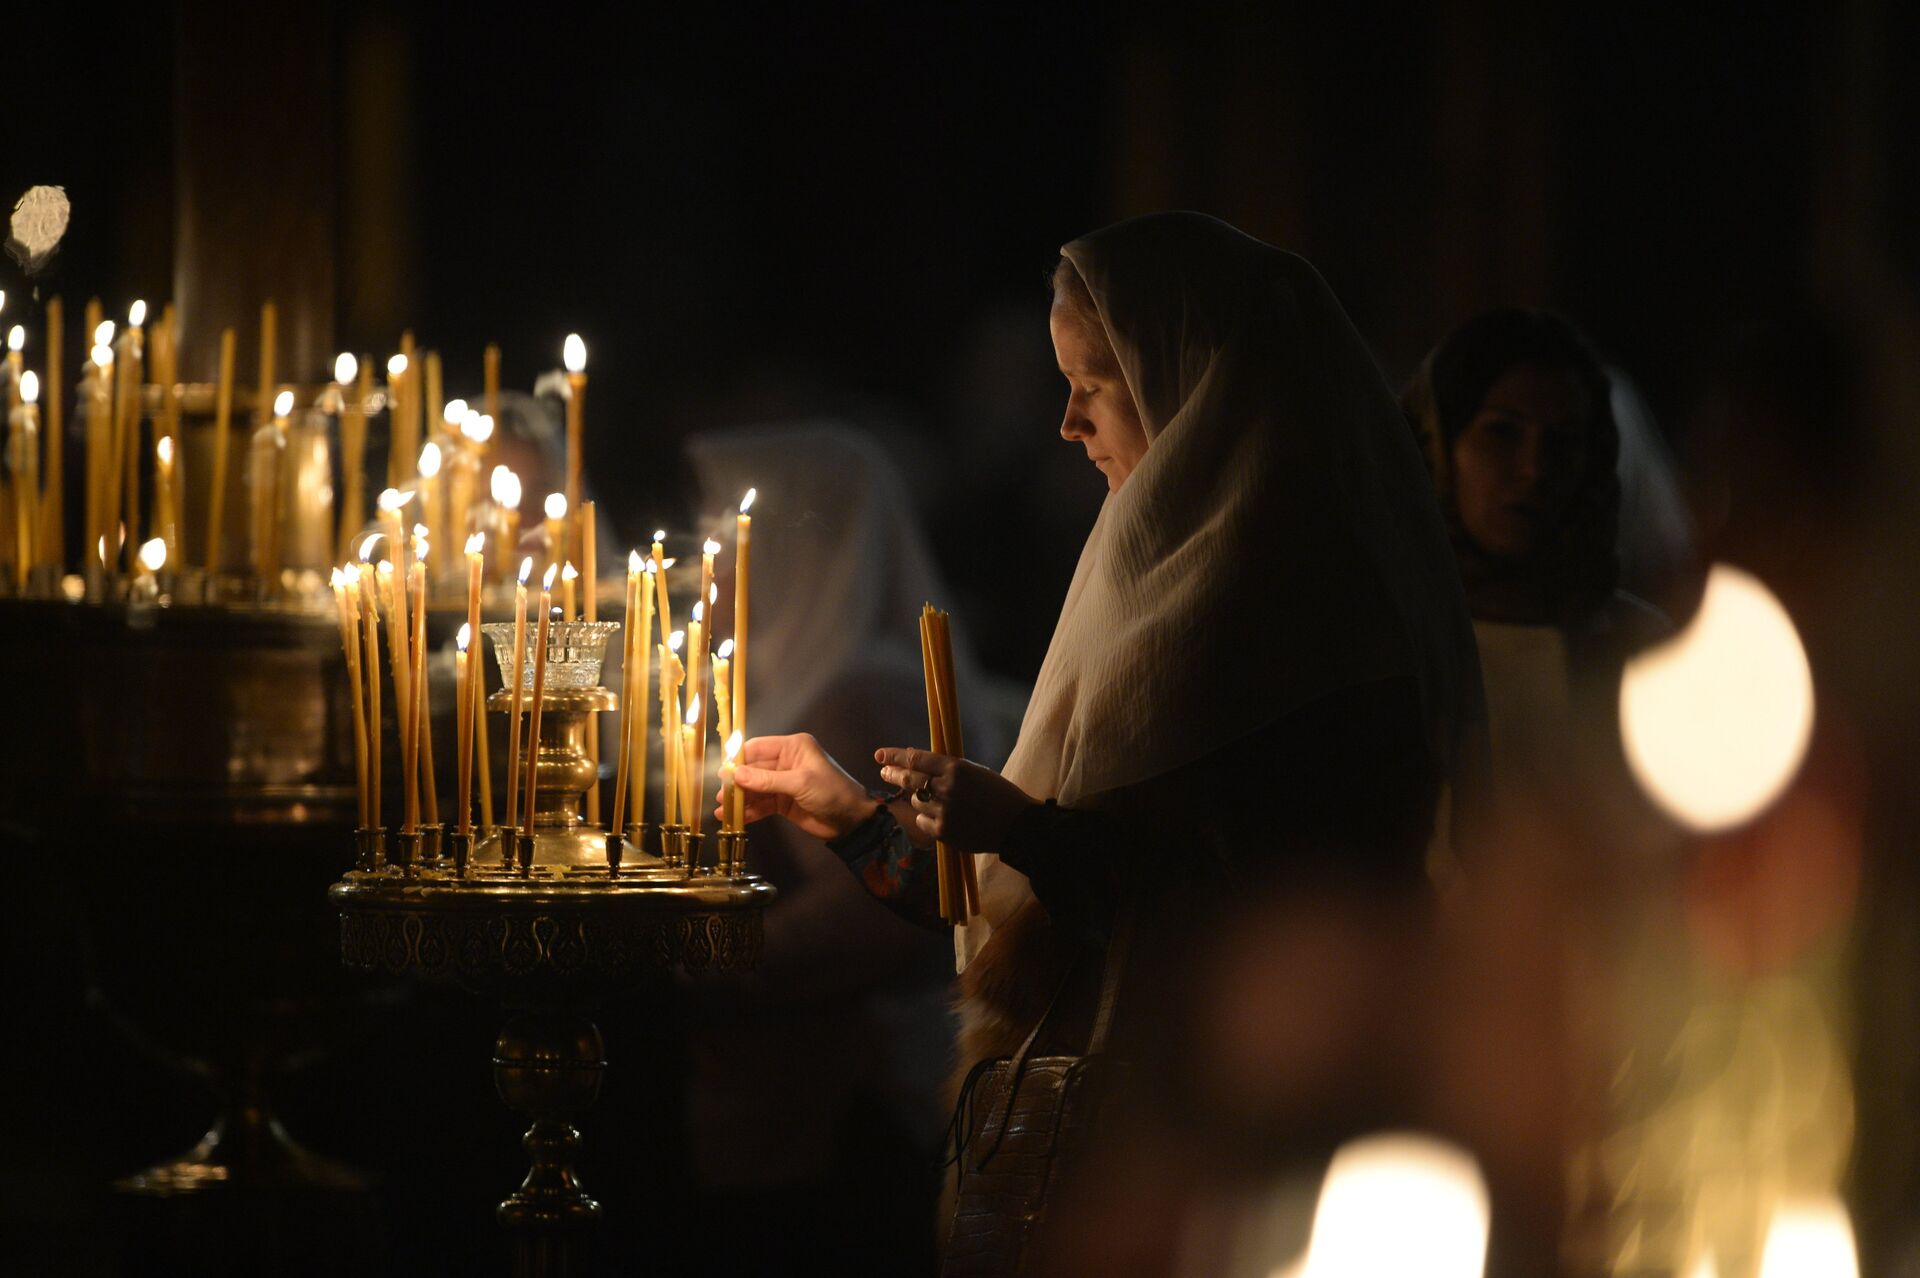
1077,861
894,871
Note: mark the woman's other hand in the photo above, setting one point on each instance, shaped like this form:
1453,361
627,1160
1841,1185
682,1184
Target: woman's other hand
965,806
793,777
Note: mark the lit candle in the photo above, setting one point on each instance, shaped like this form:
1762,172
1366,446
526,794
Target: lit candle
370,646
24,461
670,677
731,809
264,460
166,367
691,814
574,354
505,487
399,640
152,558
131,366
432,509
743,531
556,528
539,696
16,363
346,604
222,422
417,682
623,757
99,457
660,566
269,339
518,675
432,390
476,567
642,650
350,397
568,575
709,595
166,511
696,671
590,611
398,446
722,690
463,726
422,692
409,405
53,532
470,438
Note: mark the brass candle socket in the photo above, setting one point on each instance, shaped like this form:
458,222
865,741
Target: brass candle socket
616,852
370,846
460,847
673,845
733,853
431,843
406,850
694,839
644,836
526,844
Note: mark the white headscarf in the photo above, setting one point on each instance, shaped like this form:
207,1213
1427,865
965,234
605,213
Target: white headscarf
1278,542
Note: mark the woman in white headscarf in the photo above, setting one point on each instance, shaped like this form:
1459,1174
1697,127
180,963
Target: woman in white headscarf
1263,663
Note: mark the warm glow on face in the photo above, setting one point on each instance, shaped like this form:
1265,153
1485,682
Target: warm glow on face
283,403
466,633
693,709
526,569
396,366
17,338
345,367
103,333
477,427
506,488
429,460
455,411
1810,1239
153,555
394,499
136,314
710,547
164,450
1400,1204
546,582
573,352
556,505
1716,720
476,543
30,387
726,649
747,501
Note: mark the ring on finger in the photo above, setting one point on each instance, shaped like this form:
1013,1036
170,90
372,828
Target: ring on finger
925,793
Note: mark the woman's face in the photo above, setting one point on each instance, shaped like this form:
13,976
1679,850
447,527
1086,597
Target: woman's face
1100,409
1520,458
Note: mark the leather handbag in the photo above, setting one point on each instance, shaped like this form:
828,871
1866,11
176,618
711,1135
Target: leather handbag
1018,1120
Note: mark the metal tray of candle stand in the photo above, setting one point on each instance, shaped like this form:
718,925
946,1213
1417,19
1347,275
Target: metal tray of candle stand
551,938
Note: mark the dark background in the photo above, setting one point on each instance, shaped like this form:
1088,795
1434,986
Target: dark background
760,211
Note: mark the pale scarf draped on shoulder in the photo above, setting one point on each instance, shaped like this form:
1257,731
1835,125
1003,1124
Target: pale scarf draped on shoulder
1279,542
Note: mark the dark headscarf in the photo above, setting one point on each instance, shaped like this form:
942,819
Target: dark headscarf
1573,575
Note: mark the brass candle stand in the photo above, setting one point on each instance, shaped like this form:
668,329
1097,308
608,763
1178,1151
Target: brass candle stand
548,927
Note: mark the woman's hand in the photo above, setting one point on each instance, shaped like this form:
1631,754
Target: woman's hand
794,778
965,806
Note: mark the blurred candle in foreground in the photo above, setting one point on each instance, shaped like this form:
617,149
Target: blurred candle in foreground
539,695
574,354
1810,1238
23,462
516,676
1716,720
1399,1204
732,812
556,527
504,486
743,533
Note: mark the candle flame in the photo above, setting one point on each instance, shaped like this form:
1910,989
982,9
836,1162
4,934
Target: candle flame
153,555
103,548
455,411
506,487
283,403
569,572
336,579
394,499
136,316
477,427
574,352
634,561
675,640
466,634
556,505
747,501
710,547
647,567
546,580
726,649
102,355
713,594
17,338
693,710
397,366
164,450
734,743
385,568
367,544
429,460
3,299
421,530
30,387
345,367
699,611
103,333
477,543
659,535
420,547
526,569
352,574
